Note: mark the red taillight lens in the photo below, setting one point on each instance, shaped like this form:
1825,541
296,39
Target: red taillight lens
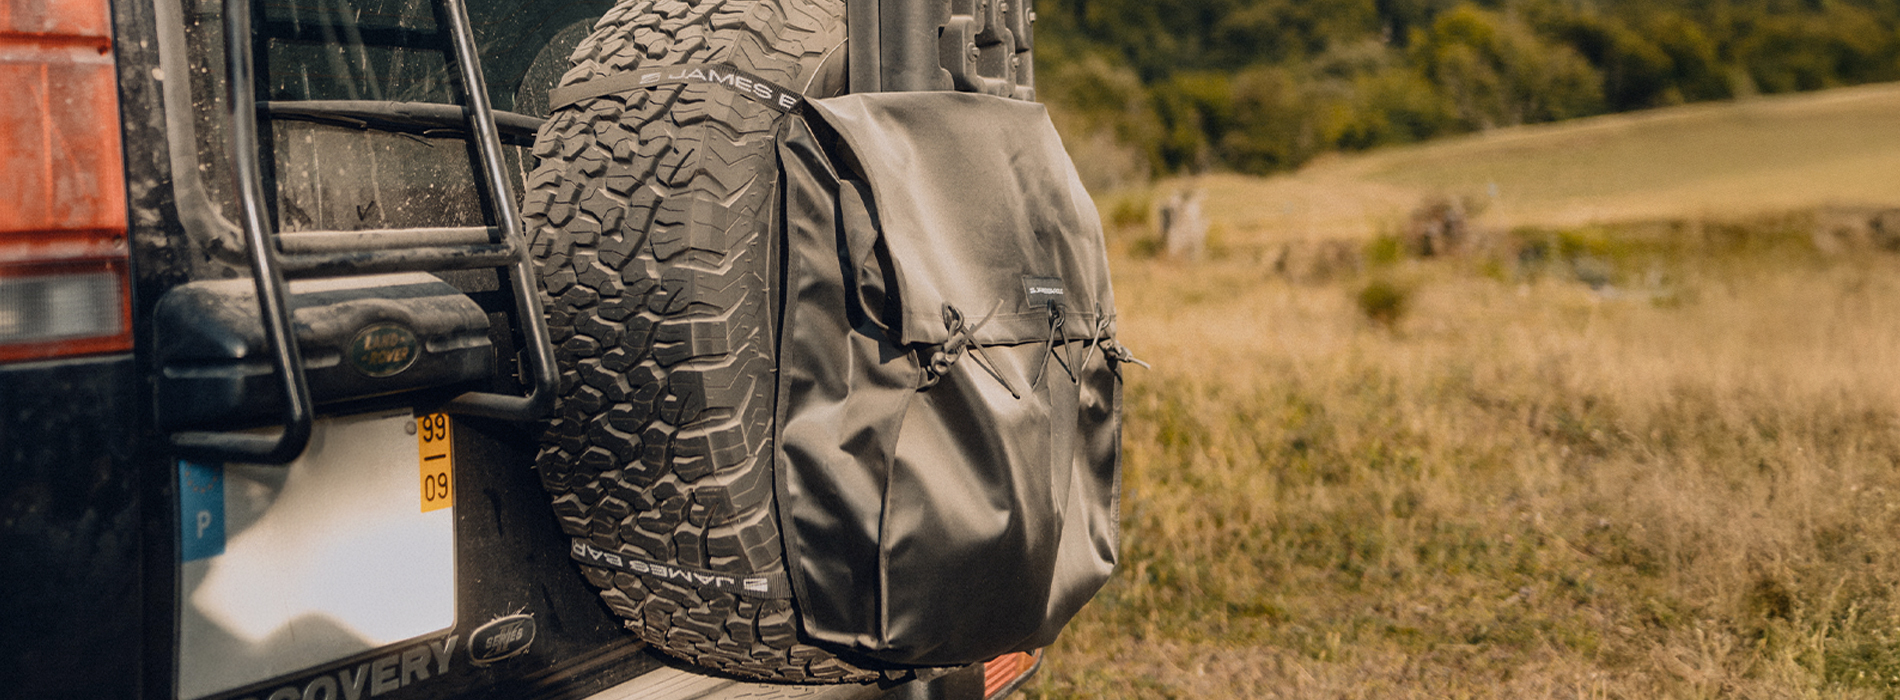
63,273
1002,672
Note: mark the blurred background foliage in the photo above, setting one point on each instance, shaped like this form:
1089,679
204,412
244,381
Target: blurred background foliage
1143,88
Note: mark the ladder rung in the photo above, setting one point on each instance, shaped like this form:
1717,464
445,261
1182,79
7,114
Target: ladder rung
366,262
407,117
368,35
312,242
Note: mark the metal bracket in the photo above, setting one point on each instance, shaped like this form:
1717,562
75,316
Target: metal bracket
921,45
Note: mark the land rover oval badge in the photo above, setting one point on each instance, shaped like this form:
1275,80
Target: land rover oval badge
383,350
501,638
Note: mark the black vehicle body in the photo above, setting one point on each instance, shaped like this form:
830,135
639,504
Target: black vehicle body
94,444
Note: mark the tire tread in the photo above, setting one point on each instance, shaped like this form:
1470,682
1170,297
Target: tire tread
649,215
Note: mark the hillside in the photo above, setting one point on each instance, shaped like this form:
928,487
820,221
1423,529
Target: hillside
1262,86
1724,160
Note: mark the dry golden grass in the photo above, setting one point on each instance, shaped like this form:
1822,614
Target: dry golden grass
1682,482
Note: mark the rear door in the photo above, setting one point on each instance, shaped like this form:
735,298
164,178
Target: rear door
346,422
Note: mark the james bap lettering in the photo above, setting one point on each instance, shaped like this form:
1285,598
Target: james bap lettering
713,74
756,586
745,83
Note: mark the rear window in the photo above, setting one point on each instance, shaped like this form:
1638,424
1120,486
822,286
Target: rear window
395,50
336,174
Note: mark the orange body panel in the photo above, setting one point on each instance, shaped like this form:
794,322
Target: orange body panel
60,156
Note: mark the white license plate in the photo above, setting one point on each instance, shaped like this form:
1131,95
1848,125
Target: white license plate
347,549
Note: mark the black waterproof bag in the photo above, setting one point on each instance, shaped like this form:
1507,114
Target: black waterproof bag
949,389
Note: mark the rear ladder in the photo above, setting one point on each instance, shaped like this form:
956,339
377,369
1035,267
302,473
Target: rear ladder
274,257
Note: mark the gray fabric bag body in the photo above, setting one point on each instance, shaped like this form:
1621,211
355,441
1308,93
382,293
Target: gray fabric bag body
949,389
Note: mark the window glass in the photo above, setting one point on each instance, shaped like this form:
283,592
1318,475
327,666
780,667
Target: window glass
396,50
353,50
331,177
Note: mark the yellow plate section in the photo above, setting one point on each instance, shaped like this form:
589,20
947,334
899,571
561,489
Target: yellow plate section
436,460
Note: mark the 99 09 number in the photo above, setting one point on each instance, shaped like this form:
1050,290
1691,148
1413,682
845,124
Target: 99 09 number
433,448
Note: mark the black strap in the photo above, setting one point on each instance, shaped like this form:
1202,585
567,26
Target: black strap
963,341
765,91
1058,338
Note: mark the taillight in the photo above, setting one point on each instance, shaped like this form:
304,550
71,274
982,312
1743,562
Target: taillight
1004,673
64,287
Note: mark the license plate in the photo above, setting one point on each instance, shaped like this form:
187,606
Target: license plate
347,549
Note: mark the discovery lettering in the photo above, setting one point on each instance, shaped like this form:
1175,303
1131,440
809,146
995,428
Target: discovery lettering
376,676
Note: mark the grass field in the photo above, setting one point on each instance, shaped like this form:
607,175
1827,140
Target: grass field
1639,439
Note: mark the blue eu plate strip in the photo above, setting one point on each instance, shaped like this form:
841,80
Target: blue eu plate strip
200,510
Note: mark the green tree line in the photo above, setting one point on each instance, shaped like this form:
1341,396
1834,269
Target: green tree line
1264,85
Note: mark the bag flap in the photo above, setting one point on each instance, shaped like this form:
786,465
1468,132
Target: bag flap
980,209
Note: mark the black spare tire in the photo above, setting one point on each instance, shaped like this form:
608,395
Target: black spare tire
650,216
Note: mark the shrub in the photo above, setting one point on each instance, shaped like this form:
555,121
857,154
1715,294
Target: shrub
1384,301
